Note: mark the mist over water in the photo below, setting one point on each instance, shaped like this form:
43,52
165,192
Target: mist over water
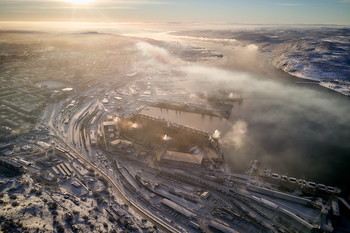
293,134
294,129
301,131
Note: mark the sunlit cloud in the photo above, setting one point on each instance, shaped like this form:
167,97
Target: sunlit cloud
95,2
20,6
179,11
60,7
79,1
288,4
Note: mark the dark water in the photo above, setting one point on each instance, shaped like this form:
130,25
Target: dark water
305,137
304,133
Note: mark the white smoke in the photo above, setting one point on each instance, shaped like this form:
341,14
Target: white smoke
237,136
156,53
166,138
216,134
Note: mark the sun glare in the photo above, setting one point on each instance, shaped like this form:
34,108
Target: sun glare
79,1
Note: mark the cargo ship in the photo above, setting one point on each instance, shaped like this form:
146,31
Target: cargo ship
298,183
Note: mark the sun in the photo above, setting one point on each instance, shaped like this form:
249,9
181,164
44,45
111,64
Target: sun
79,1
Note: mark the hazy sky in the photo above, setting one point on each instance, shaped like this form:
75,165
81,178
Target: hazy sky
214,11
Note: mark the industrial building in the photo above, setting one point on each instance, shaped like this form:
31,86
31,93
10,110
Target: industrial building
173,157
11,165
110,131
119,143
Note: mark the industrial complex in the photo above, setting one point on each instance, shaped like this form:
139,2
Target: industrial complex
112,154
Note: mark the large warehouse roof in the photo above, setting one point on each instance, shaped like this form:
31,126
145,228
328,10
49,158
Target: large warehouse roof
182,157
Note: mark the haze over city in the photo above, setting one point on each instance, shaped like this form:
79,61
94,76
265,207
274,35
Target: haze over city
174,116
